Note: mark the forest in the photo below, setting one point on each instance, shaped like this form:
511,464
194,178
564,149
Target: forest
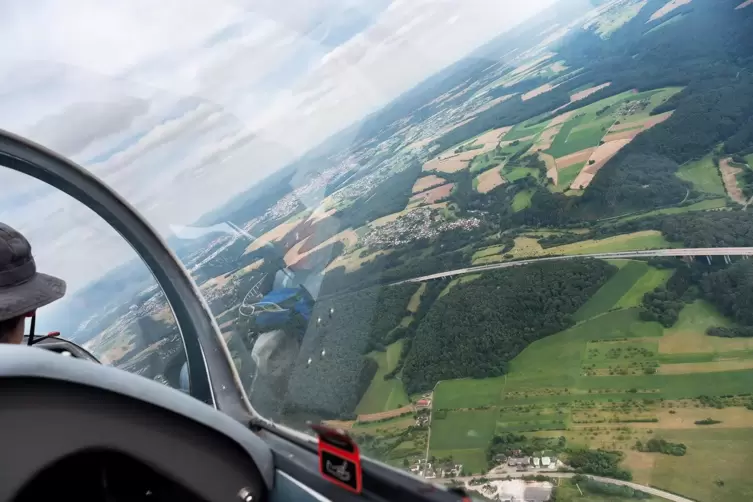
476,328
332,371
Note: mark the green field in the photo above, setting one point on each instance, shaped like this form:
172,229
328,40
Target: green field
568,492
651,279
521,131
713,455
383,395
522,200
463,430
704,176
647,239
555,361
468,393
698,206
512,173
612,292
560,143
473,460
566,176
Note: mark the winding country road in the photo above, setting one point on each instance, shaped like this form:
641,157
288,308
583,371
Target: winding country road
647,489
604,256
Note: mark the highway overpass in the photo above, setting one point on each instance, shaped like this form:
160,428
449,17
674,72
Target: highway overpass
679,252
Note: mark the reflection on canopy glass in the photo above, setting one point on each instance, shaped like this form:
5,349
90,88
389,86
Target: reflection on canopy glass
534,261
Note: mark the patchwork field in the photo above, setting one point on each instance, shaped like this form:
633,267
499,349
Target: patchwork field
613,379
458,159
384,395
432,195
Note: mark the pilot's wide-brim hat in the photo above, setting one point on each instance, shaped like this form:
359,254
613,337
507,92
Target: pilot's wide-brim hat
22,288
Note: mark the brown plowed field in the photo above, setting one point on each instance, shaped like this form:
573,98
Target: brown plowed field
729,176
489,180
433,195
427,182
574,158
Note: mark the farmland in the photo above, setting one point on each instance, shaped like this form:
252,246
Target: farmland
704,176
384,395
612,380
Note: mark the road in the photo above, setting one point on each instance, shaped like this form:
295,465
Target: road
647,489
604,256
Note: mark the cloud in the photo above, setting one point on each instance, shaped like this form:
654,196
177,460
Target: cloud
77,126
185,108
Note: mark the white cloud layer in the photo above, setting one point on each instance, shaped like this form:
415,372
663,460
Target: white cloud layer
182,104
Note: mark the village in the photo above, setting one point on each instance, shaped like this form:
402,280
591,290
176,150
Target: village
421,223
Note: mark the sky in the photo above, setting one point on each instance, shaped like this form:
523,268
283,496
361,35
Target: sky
182,104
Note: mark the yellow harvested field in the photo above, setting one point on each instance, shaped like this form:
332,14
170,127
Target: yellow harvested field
248,268
668,7
217,282
545,140
656,119
427,182
628,135
583,179
490,104
605,152
729,176
587,92
691,342
553,175
520,140
744,4
560,119
685,418
371,417
490,139
489,180
538,91
433,195
273,235
708,367
348,237
353,261
526,67
641,465
319,214
629,130
339,424
574,158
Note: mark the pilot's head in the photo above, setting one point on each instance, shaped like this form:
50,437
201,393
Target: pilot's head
22,289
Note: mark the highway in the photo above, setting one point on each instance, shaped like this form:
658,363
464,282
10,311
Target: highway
646,489
623,254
